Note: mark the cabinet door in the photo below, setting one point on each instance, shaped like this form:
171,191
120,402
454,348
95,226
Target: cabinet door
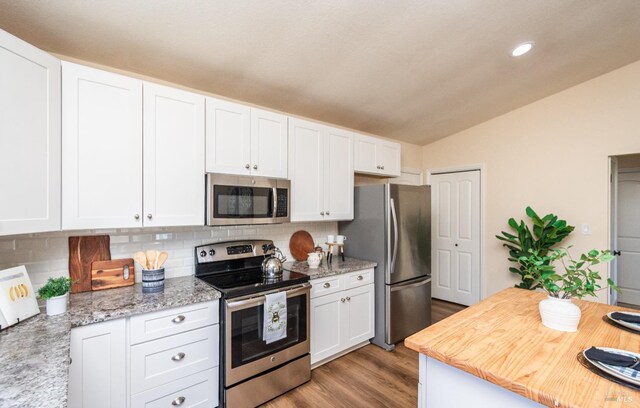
228,143
173,157
338,170
102,149
359,315
327,326
365,155
269,144
29,138
97,374
306,167
389,158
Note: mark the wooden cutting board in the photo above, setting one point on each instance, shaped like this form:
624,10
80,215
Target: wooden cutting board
300,245
82,252
111,274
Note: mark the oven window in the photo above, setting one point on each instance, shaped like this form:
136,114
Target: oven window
246,331
242,202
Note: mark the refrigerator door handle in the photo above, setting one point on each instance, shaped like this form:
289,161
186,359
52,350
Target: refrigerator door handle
395,236
397,287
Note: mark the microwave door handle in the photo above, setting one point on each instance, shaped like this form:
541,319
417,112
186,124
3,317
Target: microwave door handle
275,202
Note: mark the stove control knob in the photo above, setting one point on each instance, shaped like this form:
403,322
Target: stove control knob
212,252
203,253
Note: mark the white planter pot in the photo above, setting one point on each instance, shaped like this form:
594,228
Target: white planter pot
560,314
57,305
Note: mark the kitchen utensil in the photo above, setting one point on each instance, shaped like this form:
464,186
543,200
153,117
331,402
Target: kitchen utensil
313,259
300,244
151,258
152,280
112,274
272,264
83,251
162,258
331,239
141,259
340,239
17,298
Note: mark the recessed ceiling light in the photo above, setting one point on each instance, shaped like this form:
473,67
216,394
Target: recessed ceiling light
522,49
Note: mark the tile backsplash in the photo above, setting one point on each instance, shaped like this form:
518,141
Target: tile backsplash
47,254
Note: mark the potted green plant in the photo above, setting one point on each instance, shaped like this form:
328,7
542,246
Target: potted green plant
56,293
578,280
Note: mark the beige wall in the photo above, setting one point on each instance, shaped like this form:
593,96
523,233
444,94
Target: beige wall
552,155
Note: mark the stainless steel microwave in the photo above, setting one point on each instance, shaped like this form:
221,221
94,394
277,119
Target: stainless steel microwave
240,200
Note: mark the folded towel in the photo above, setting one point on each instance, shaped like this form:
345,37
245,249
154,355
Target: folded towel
629,318
275,317
613,359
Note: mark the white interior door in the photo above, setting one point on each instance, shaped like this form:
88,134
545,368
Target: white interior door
455,236
629,237
173,157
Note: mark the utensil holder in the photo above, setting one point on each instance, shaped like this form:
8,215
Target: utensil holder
152,280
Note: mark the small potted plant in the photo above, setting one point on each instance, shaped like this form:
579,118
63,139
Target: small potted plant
578,280
56,293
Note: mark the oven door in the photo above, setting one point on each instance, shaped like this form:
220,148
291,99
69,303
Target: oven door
246,354
237,200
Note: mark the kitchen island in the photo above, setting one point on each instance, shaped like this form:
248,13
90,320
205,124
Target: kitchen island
497,353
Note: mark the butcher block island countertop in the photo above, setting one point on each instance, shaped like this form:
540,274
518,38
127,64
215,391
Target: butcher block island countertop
503,341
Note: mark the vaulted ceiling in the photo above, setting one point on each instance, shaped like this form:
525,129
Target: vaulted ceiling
414,70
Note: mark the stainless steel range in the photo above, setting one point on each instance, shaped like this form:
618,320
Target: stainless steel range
254,371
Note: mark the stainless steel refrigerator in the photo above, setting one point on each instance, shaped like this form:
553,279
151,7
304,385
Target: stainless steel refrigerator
392,226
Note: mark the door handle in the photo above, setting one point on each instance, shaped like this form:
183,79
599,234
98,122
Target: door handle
178,357
616,252
178,319
395,234
178,401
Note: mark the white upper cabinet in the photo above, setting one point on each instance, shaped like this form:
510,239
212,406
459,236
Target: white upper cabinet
245,141
29,138
228,146
173,146
376,156
102,149
269,144
321,172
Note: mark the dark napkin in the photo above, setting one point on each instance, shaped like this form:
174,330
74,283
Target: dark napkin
612,359
625,317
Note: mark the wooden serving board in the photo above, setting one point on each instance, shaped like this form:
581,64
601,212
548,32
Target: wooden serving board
111,274
83,251
300,245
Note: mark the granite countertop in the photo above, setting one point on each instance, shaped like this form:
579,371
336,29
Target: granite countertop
337,267
34,354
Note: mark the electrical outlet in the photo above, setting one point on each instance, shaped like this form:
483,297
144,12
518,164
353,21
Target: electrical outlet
586,229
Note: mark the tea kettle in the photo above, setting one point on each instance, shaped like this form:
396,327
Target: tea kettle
272,264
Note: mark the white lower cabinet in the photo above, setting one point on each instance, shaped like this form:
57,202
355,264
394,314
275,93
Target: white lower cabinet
341,319
166,358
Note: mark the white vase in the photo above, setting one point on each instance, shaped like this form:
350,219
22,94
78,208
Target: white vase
560,314
57,305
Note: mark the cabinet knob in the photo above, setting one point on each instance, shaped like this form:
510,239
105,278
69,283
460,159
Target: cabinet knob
326,285
255,167
360,277
179,318
327,212
178,401
137,216
342,300
149,216
348,298
381,167
322,213
378,167
178,357
247,166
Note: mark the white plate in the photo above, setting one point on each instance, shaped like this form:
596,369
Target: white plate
632,326
622,373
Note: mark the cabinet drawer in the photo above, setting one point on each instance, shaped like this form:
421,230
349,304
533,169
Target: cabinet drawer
197,390
168,322
359,278
324,286
161,361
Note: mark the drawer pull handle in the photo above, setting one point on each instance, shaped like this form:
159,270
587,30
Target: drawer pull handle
178,357
178,401
178,319
326,285
360,277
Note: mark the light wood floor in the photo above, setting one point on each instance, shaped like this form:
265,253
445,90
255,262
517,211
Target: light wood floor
367,377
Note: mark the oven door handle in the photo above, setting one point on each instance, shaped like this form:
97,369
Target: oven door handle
247,302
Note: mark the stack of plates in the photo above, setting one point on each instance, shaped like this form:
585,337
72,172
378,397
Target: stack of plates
625,374
632,326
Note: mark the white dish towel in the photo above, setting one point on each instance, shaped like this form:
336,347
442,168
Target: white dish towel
275,317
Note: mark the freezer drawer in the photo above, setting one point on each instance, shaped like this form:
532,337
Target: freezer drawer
408,308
